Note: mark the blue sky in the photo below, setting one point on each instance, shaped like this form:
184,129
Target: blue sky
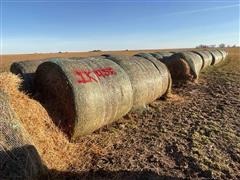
52,26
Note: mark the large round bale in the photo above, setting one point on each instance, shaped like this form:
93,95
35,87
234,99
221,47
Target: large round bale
179,69
184,66
88,94
26,70
157,55
18,158
223,52
217,56
150,78
146,56
206,57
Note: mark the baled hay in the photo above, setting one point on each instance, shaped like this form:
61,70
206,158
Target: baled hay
18,157
54,148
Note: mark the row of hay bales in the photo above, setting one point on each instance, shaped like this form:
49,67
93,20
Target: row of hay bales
90,93
187,65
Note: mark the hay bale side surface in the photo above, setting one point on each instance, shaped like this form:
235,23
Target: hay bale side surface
18,158
147,82
89,93
206,56
217,56
224,53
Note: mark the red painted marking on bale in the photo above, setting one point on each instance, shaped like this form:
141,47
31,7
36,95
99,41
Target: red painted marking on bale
85,76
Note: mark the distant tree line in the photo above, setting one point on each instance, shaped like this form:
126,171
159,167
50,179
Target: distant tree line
222,45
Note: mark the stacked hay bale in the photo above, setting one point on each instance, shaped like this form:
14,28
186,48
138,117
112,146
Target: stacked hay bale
184,66
150,78
206,57
89,93
26,70
216,55
18,158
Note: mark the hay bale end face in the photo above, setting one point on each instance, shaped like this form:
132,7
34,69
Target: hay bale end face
179,69
206,57
149,78
217,56
18,158
26,70
88,94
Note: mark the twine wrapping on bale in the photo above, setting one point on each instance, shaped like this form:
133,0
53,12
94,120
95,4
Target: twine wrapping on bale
146,56
206,57
18,158
26,70
89,93
217,56
150,79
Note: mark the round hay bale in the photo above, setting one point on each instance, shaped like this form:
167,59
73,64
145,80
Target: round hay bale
206,57
146,56
26,70
88,94
184,66
18,158
157,56
217,56
224,53
179,69
150,78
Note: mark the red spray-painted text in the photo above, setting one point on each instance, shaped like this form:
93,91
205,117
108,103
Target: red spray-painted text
85,76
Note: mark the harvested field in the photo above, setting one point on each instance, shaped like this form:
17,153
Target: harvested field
195,134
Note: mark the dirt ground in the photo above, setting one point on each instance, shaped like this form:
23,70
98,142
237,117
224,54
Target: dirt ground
194,134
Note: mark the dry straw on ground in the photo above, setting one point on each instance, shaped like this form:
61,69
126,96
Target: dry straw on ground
149,78
18,157
52,145
89,93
